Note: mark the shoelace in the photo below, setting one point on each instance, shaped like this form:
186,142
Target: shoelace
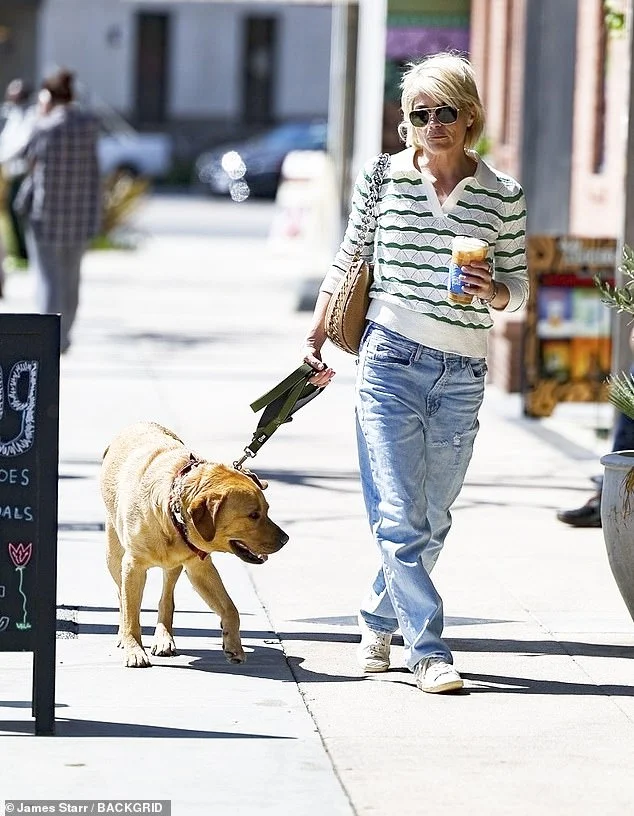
376,649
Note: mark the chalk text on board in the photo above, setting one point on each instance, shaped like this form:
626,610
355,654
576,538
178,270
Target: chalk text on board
23,405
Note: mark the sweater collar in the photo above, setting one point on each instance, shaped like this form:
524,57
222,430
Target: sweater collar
484,174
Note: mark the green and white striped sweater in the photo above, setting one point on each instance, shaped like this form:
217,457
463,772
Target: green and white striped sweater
410,241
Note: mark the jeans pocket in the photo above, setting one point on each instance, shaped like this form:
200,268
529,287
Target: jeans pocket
386,347
477,368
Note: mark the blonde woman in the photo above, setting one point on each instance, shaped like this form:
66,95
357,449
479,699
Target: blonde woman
422,362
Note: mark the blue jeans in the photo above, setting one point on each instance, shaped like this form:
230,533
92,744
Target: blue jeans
417,419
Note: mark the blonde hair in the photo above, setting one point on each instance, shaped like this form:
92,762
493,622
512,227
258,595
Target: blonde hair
446,78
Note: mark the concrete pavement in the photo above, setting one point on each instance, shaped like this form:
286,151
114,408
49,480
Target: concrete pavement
187,331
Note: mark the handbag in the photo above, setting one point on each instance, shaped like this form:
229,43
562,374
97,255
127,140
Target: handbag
344,321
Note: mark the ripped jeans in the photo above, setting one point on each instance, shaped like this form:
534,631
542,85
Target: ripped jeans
417,419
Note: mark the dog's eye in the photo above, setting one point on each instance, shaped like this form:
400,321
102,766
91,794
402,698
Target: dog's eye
255,515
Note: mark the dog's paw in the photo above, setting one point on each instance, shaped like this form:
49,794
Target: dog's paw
163,642
163,648
237,656
137,659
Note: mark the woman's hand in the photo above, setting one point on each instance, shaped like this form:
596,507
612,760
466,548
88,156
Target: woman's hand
477,280
312,356
311,350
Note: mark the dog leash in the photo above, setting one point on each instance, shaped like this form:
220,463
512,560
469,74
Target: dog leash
279,403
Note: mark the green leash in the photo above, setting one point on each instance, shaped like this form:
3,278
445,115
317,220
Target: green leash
280,403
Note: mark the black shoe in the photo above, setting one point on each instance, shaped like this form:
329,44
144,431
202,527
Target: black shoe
587,516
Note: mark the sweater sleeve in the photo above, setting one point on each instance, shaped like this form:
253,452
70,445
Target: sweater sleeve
345,253
510,250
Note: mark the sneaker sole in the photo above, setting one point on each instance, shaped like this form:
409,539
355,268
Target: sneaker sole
374,669
452,685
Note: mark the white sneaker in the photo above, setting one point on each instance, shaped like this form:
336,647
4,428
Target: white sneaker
437,675
373,653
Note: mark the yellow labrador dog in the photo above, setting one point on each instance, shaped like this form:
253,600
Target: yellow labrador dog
167,508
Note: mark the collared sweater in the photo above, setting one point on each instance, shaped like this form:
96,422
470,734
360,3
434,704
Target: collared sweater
409,240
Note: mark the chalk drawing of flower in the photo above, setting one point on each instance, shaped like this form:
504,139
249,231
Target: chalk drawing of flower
20,554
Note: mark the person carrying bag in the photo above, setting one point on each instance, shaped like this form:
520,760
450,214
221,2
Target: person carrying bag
422,357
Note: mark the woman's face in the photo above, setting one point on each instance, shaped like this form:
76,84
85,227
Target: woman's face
437,138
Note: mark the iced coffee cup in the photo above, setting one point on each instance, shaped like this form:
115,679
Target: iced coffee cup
464,249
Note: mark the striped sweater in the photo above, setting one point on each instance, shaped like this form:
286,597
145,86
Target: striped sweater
409,239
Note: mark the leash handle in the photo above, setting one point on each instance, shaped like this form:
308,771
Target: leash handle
302,373
279,403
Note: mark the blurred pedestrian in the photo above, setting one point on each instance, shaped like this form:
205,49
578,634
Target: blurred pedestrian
20,116
589,514
422,362
61,198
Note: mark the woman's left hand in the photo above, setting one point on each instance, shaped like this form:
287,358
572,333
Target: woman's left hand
477,280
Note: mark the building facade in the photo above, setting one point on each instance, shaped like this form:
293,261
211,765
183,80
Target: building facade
200,70
554,82
553,77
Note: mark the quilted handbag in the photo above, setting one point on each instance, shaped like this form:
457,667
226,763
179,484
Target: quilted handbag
345,316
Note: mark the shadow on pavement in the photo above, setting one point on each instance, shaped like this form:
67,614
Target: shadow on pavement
351,620
540,647
99,728
263,662
525,685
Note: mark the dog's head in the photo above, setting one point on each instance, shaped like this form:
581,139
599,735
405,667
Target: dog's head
228,511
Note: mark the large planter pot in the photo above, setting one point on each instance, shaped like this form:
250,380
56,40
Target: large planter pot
617,519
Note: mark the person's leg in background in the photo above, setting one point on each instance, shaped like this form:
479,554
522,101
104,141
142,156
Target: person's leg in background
589,514
70,261
17,225
624,432
46,261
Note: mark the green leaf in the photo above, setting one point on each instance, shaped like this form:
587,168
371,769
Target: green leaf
621,393
621,297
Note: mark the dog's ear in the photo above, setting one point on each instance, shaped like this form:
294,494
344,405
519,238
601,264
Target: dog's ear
203,512
261,483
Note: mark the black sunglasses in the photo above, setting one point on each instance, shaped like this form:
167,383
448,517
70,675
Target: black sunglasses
445,115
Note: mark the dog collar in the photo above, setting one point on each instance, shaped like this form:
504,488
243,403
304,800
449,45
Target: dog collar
176,509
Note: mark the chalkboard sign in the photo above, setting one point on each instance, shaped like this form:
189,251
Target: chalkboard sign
29,405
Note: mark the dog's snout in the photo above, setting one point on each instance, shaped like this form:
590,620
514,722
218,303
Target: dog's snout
282,537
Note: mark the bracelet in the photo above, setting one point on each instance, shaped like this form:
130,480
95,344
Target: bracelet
489,300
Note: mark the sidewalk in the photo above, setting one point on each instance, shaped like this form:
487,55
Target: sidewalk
187,331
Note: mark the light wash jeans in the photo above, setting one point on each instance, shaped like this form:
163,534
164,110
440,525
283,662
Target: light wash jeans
417,419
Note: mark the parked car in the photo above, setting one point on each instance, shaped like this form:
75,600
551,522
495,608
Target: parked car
135,154
252,167
122,150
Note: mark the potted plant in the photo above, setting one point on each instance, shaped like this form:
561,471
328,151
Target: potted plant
617,498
